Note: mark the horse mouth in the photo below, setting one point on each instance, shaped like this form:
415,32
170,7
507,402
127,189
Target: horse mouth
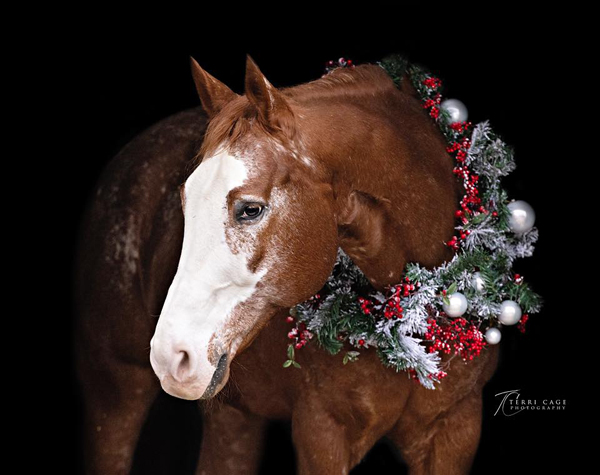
218,377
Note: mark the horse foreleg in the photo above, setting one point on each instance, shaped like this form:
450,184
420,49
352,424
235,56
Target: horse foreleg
445,446
232,441
116,402
320,442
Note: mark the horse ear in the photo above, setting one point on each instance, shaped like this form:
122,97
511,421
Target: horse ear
272,107
361,225
212,92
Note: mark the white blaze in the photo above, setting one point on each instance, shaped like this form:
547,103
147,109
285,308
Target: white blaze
210,280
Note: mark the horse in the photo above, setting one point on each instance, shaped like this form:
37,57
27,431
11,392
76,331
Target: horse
209,226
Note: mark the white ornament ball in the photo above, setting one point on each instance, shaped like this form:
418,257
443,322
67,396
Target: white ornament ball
493,336
477,282
457,305
456,109
510,313
522,216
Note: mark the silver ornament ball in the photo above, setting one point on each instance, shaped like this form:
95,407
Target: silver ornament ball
477,282
522,216
510,313
493,336
456,306
456,110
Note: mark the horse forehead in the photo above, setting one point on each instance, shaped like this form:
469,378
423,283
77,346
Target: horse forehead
215,177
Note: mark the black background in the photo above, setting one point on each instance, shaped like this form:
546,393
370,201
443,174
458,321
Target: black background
117,78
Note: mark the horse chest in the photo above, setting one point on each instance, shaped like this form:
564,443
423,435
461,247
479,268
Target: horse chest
363,395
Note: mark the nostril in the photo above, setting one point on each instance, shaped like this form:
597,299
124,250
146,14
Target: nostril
182,366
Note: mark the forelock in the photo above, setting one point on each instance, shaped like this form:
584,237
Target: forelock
237,126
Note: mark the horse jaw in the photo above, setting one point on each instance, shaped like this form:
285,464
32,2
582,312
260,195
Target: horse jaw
196,339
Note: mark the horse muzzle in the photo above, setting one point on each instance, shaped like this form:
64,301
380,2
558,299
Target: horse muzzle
185,374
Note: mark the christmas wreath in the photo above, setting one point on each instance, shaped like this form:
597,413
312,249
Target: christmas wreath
459,307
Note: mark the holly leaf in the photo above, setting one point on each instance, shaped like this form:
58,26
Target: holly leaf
478,218
350,356
296,364
290,352
288,363
452,288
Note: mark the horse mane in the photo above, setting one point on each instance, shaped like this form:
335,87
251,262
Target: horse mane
365,78
239,116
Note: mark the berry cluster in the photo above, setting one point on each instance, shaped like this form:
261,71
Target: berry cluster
366,305
315,300
391,307
454,242
412,373
340,63
459,335
461,127
471,201
522,323
433,103
432,82
299,333
460,148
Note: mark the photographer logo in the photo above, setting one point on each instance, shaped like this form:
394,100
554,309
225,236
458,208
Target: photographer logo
511,403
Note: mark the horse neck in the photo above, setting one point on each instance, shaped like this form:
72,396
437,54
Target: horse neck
392,179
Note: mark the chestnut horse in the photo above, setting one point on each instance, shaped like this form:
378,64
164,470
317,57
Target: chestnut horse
278,181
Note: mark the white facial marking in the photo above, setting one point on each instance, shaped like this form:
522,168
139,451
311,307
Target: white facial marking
295,153
211,281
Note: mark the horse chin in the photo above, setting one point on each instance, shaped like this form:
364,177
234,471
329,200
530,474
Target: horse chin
188,392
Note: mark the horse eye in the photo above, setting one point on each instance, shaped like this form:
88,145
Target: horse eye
247,212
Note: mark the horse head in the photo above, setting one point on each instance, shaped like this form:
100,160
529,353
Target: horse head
260,234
